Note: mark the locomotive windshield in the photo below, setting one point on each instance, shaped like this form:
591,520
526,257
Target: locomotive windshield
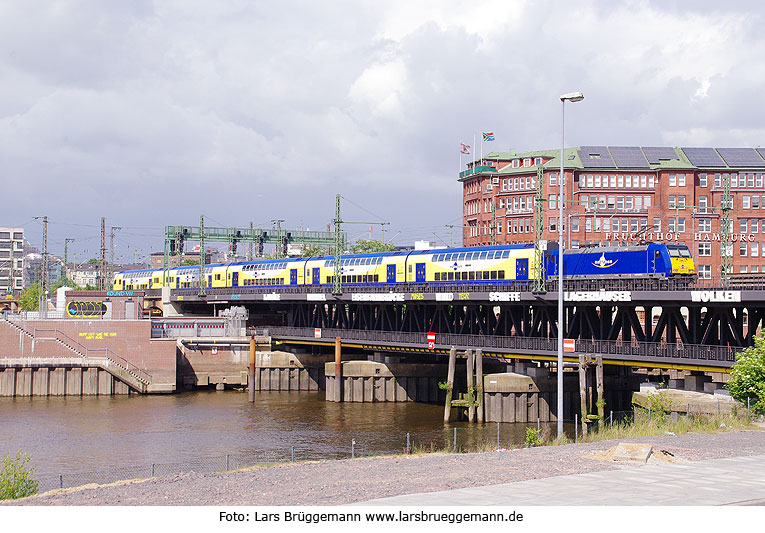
678,251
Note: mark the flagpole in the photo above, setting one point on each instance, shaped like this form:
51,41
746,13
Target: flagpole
460,168
474,149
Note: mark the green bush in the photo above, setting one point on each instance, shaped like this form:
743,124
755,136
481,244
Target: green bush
16,479
533,437
747,377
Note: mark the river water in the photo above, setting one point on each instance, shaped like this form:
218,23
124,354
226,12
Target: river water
68,435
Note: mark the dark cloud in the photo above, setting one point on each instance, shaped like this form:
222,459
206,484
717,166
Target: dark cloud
150,113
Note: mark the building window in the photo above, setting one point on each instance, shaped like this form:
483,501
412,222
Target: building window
746,201
537,161
574,223
742,248
672,201
589,181
705,248
717,181
705,271
755,225
759,181
755,202
702,204
633,225
744,224
673,180
516,163
702,180
656,224
705,225
552,202
754,249
681,201
681,225
681,180
587,224
527,162
613,181
743,269
553,222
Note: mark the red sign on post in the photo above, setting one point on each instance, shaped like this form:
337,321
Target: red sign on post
569,345
431,340
317,333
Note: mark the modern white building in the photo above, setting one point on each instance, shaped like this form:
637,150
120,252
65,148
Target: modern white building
11,260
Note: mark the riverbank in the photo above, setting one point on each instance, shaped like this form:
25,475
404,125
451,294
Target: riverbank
338,482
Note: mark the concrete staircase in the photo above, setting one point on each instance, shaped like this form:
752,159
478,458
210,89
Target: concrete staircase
103,358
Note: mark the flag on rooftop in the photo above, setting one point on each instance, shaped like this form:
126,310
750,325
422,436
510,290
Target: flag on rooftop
488,136
464,148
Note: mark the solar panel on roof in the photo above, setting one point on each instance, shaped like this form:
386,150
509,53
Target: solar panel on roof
655,153
741,157
628,157
595,157
703,157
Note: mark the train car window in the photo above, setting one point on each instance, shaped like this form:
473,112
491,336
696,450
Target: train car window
506,254
685,252
471,275
483,255
465,275
377,277
486,275
451,276
462,256
493,274
501,274
437,276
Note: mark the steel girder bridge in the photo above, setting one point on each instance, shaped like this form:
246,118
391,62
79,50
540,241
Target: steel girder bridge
620,314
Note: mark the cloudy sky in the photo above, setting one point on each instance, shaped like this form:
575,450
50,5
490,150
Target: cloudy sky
152,112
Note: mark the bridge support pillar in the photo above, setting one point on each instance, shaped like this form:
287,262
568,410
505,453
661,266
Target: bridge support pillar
251,380
479,385
583,392
601,403
338,371
471,389
450,384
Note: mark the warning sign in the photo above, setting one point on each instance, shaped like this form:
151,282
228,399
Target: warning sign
317,333
214,350
431,340
569,345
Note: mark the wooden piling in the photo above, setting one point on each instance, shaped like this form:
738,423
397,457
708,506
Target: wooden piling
450,384
583,393
470,386
479,385
601,403
251,380
338,371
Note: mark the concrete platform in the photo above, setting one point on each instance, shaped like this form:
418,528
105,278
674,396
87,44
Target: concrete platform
731,481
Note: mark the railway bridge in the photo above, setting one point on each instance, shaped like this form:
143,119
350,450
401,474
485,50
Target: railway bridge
630,322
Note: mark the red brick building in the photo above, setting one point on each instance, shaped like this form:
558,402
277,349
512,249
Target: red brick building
618,195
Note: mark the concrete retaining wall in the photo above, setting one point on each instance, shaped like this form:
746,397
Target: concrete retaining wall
370,381
59,381
511,397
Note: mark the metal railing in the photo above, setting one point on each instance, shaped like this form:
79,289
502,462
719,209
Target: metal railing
722,355
646,285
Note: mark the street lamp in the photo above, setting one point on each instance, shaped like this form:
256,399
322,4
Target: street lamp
571,97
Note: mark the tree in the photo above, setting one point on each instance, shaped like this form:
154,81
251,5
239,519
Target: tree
63,282
190,262
312,250
30,298
94,261
747,377
370,247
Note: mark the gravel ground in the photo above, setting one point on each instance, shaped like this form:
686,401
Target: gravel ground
356,480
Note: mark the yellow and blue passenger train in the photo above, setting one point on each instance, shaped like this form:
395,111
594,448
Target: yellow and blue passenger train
489,265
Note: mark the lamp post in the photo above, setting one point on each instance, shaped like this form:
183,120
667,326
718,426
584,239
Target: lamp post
571,97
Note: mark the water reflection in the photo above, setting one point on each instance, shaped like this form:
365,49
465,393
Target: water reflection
68,435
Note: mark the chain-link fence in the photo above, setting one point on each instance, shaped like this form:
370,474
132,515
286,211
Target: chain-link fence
486,437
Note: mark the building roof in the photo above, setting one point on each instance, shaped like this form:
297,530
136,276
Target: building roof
646,158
